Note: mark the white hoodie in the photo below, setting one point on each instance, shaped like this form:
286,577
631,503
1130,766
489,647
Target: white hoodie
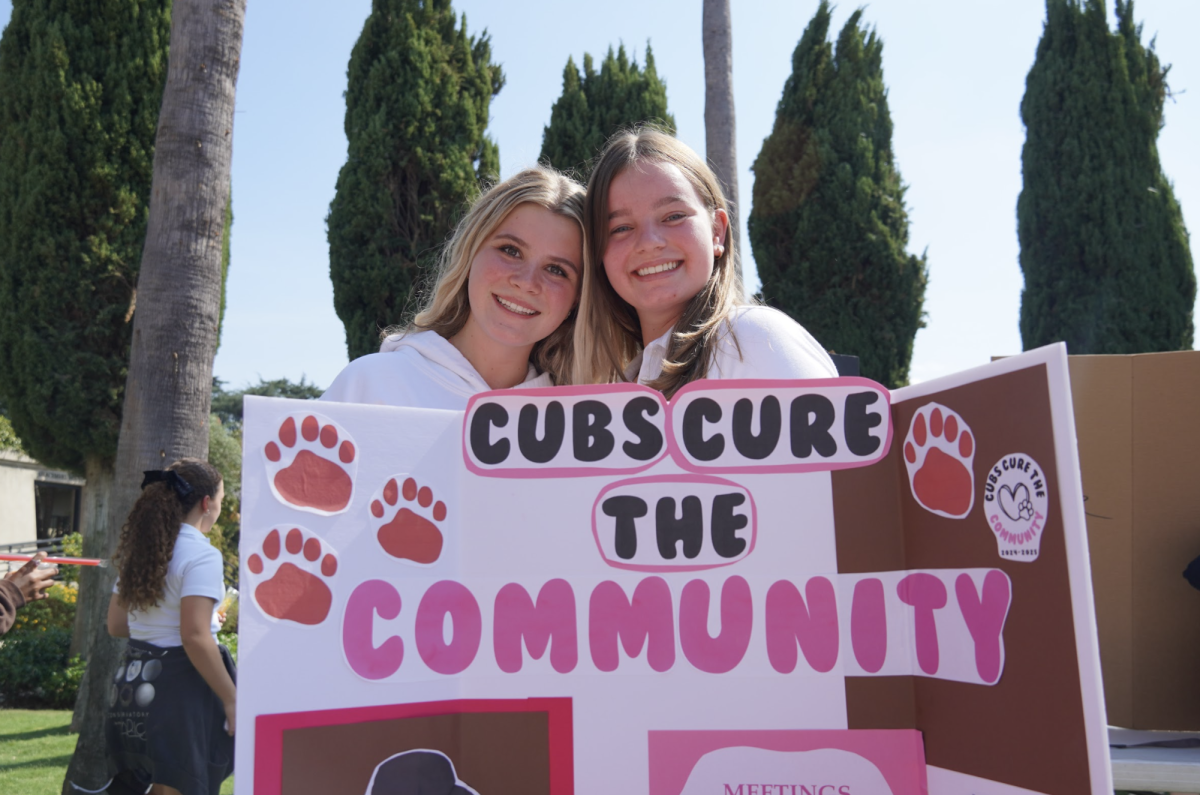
769,344
420,370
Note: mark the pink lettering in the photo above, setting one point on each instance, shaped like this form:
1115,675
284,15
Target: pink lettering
868,624
720,654
814,625
367,660
985,615
452,598
925,593
648,619
552,617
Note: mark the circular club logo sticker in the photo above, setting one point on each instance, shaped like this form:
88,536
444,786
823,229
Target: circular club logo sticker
1014,496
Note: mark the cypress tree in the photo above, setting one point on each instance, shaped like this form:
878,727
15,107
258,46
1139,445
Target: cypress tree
828,225
80,88
1103,247
416,109
594,105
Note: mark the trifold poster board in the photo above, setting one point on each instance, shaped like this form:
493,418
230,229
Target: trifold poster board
756,588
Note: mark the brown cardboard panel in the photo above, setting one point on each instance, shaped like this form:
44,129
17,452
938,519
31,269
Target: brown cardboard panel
1035,712
499,753
1102,393
1166,525
870,537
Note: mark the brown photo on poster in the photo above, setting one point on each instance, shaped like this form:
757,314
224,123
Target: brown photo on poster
964,517
469,747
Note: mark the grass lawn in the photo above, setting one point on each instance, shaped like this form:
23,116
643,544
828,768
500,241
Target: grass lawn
35,749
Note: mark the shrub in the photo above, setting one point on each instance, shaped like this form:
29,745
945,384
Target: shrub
56,611
229,639
72,548
36,667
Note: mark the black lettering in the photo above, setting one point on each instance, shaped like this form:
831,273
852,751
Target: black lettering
589,430
859,422
698,412
540,451
725,523
812,417
625,510
770,421
484,450
688,528
650,439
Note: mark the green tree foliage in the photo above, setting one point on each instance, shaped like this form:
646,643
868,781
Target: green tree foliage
828,226
594,105
8,438
227,405
80,88
225,453
1103,246
416,109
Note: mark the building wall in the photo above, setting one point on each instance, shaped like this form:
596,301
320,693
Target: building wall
18,516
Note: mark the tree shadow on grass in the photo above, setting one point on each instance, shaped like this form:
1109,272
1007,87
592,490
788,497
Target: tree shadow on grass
59,762
52,731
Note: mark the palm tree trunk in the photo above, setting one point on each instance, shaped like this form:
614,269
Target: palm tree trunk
720,122
95,584
168,388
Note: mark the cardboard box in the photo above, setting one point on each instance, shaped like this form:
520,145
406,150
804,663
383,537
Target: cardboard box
1138,424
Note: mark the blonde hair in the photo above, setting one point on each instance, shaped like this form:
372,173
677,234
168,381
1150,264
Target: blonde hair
447,305
608,334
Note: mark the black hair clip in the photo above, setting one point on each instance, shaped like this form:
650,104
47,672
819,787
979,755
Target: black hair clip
181,487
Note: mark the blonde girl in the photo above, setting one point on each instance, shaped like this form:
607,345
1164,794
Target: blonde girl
502,309
665,304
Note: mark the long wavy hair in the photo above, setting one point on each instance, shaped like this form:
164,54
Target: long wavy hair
148,537
447,305
608,333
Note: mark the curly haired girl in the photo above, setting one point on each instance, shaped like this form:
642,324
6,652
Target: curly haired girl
172,708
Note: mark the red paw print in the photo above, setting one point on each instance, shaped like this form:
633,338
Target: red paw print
410,533
288,580
312,468
939,452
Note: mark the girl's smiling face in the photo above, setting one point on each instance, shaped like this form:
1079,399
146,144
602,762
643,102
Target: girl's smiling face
662,243
524,281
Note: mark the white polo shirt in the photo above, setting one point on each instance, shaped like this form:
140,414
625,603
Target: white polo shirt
196,569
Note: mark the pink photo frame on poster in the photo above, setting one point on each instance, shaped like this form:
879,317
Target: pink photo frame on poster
897,755
270,729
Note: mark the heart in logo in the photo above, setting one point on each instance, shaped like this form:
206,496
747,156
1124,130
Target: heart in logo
1015,502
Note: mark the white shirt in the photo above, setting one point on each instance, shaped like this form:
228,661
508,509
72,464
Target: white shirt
769,345
196,569
419,370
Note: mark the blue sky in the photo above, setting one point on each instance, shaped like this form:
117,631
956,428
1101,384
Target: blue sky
955,73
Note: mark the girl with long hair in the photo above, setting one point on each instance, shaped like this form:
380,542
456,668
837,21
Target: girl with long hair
501,312
666,305
173,704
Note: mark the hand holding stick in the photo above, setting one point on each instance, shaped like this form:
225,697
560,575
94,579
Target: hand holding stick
32,579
